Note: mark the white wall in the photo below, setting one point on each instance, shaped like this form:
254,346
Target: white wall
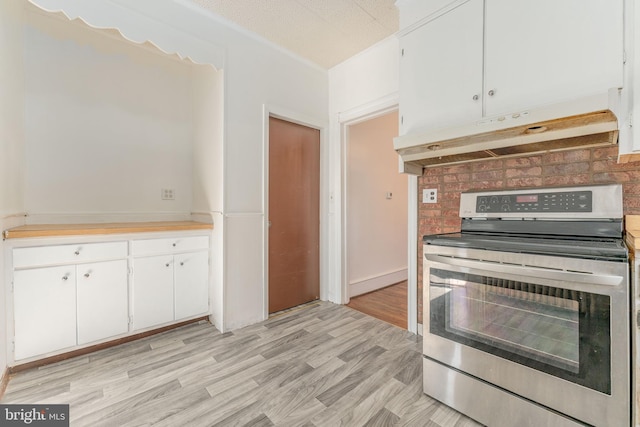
108,125
11,140
376,225
208,173
208,154
360,87
11,109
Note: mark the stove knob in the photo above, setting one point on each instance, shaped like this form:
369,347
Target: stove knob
506,208
494,200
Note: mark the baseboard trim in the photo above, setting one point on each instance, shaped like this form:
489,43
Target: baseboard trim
4,381
378,282
86,350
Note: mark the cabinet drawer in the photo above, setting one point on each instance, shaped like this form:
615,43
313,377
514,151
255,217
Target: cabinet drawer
66,254
169,245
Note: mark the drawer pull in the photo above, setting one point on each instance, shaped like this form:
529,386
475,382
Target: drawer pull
174,245
65,277
87,275
77,252
182,263
166,265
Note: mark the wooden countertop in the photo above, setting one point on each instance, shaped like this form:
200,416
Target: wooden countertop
632,231
58,230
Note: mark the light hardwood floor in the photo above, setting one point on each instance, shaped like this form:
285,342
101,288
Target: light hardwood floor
388,304
317,365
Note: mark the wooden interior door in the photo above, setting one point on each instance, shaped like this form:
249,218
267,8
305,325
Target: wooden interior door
294,214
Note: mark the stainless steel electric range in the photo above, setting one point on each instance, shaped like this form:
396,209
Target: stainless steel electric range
527,309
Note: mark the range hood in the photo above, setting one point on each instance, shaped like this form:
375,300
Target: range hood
586,122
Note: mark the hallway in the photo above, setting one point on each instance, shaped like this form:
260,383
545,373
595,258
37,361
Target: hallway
388,304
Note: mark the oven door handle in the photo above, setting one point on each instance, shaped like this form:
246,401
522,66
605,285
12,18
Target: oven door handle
529,271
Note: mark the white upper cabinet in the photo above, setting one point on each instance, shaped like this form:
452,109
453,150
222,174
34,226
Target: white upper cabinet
629,135
548,51
412,11
441,70
484,58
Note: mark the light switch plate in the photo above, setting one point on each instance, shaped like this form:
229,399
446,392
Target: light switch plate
430,195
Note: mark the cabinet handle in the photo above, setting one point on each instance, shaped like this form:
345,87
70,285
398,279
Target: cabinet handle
492,92
166,265
87,275
476,97
65,277
182,263
174,245
77,252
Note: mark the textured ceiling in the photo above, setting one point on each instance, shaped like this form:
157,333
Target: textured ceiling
325,32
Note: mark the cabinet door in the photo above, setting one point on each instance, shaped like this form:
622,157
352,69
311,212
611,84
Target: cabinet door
191,284
547,51
103,309
152,291
441,70
412,11
44,310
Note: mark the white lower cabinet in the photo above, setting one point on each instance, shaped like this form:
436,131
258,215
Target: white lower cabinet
152,291
191,273
45,310
102,292
61,307
170,286
67,296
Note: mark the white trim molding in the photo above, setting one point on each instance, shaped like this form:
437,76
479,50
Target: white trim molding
371,284
412,251
376,108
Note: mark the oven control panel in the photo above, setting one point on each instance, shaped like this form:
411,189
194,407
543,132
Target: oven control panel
562,201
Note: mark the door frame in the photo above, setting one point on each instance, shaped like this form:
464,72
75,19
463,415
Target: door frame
363,113
311,122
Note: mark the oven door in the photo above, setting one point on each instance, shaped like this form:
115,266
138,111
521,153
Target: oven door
552,330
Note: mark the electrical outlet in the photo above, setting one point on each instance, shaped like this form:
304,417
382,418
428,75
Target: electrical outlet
167,194
430,195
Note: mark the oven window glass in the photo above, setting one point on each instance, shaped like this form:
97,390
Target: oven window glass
558,331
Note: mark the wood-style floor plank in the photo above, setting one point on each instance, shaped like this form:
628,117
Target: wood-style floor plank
317,365
388,304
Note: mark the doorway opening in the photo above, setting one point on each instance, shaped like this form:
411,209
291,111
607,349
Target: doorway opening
376,219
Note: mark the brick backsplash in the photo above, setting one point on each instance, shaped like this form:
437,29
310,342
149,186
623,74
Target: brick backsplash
564,168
